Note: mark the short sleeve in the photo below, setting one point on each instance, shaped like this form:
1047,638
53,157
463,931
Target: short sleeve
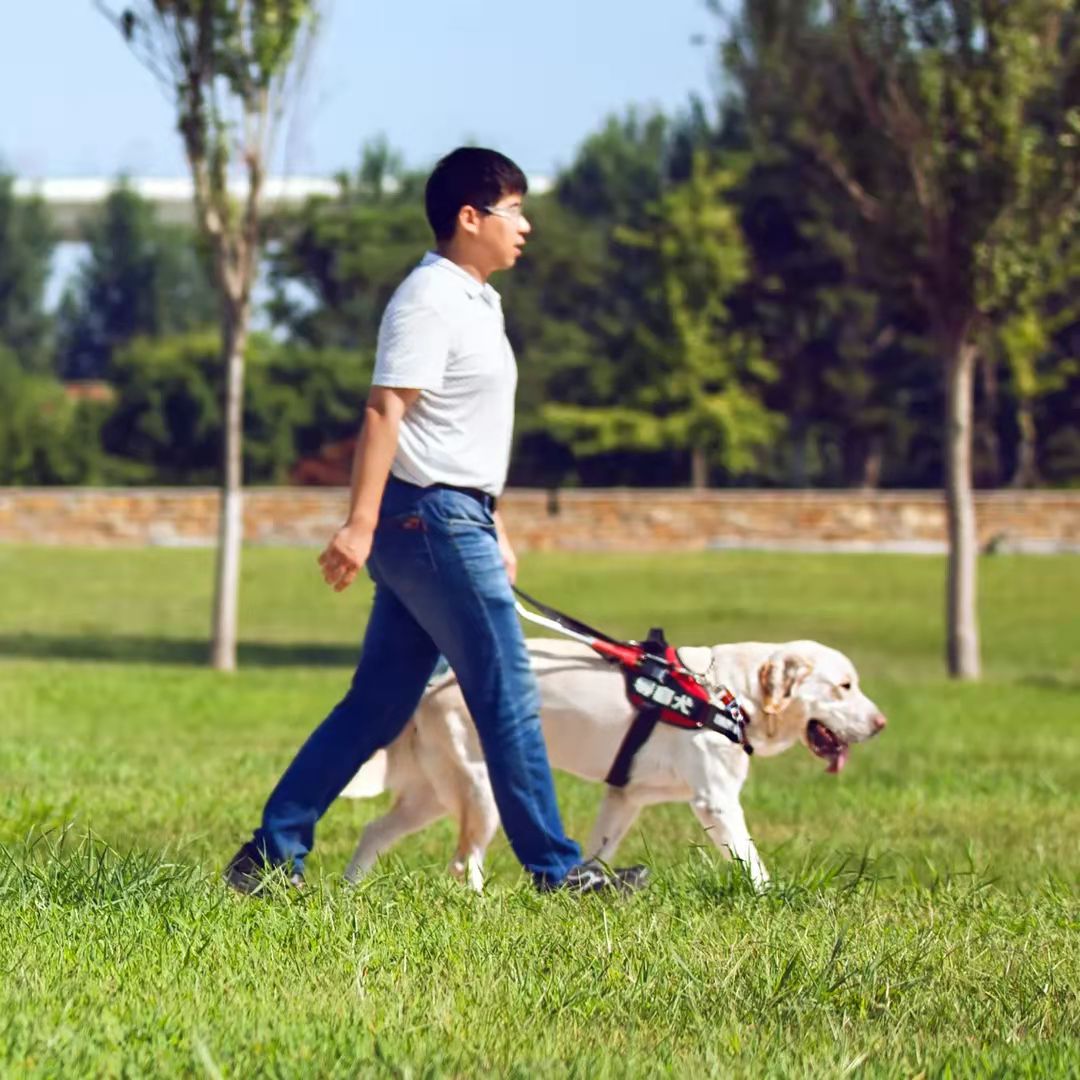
413,347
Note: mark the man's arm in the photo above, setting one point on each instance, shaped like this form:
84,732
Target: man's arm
376,445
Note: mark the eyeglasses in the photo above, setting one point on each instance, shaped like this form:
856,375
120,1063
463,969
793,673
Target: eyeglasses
507,213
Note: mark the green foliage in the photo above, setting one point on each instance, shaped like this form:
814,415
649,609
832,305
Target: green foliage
711,374
1025,339
44,437
857,390
815,319
141,279
632,352
167,412
694,380
167,416
327,389
947,130
227,62
767,290
619,169
1057,404
334,263
26,244
855,384
981,101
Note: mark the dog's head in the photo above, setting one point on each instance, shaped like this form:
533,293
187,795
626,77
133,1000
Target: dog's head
811,692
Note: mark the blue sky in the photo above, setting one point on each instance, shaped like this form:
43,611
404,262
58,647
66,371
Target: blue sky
531,79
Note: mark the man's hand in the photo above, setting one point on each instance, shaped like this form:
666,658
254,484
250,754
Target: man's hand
346,554
350,546
505,550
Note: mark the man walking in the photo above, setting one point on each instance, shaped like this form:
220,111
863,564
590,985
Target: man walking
431,460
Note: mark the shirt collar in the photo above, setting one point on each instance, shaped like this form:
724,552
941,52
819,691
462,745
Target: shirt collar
473,287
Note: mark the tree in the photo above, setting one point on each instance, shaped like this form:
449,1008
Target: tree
554,303
1058,408
852,379
618,169
167,421
955,142
26,245
335,262
45,438
957,90
141,278
695,382
1032,272
230,66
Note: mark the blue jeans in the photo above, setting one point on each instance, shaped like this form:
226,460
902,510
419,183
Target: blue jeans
440,587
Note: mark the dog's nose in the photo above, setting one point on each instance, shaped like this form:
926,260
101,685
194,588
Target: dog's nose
879,722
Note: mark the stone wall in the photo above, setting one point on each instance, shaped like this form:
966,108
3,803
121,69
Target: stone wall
573,520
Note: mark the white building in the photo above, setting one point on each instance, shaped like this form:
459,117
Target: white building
71,202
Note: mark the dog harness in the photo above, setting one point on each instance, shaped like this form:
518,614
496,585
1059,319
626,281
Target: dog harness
659,687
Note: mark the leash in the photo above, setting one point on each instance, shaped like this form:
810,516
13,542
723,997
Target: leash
659,687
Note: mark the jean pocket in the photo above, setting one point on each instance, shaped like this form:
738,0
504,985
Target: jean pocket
455,511
464,524
409,521
401,542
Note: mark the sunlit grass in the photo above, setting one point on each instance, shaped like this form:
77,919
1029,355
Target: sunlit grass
924,917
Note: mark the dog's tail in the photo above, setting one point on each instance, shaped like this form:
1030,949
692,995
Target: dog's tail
370,780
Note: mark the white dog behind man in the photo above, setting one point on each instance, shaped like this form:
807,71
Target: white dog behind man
370,781
800,691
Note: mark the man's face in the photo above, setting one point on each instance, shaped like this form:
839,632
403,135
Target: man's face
501,231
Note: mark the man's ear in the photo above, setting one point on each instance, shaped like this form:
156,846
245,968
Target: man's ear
468,219
779,676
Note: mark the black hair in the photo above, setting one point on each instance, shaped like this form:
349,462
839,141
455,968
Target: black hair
468,176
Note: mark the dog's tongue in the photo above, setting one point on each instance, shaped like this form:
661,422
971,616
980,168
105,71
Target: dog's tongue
838,760
826,745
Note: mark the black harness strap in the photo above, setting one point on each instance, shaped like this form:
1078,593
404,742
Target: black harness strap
641,727
566,621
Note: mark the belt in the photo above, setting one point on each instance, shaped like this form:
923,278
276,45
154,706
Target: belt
488,502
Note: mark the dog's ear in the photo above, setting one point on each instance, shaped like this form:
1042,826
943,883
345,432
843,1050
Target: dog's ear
779,676
695,658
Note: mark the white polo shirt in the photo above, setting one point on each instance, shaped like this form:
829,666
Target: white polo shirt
443,334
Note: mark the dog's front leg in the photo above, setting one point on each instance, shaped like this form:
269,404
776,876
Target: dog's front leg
477,827
715,773
726,825
617,813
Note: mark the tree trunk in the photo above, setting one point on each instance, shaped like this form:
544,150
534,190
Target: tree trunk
799,443
986,466
872,463
962,627
699,469
1026,474
231,513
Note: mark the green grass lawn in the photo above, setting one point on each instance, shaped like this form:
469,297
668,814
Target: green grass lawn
924,918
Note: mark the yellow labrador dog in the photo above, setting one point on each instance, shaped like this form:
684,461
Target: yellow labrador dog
796,692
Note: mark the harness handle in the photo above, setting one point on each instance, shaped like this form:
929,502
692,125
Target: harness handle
564,622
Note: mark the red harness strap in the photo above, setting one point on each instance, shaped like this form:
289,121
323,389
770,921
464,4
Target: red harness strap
658,686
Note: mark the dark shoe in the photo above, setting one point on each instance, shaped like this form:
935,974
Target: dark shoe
248,871
593,876
629,879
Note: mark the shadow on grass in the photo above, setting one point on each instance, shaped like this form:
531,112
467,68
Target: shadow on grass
1052,682
180,651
